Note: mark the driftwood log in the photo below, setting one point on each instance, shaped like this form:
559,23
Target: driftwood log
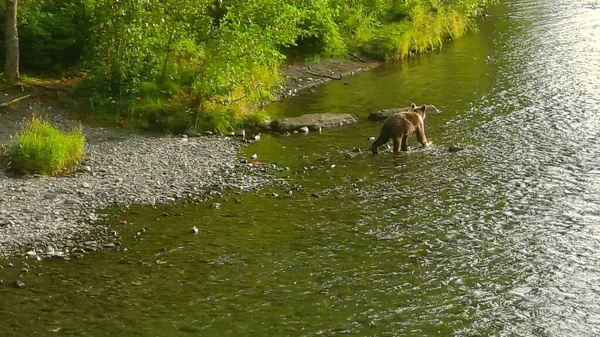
9,103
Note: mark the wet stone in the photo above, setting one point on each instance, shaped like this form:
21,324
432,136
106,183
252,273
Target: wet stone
31,253
310,121
385,113
454,148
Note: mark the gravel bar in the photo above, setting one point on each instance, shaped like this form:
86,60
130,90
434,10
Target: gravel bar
49,216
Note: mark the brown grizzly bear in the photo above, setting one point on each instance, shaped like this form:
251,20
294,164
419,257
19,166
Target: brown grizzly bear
399,126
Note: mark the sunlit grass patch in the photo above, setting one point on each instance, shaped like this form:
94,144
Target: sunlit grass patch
41,148
422,32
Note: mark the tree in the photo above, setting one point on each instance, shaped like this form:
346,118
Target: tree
11,65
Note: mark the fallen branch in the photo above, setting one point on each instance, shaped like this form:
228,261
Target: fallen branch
5,104
324,75
47,87
357,57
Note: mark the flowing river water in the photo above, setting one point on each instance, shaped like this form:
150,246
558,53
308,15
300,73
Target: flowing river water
500,239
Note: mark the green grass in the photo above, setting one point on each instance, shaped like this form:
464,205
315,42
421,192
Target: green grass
41,148
423,32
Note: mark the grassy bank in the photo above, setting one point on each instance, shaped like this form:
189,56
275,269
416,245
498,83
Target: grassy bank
166,66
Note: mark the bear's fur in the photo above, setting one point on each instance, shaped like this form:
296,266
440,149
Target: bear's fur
399,126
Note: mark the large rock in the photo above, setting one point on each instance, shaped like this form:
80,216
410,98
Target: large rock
385,113
312,121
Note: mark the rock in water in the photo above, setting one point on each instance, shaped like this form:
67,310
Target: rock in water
314,122
454,148
385,113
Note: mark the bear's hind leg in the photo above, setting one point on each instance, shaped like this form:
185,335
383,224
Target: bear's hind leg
377,143
397,144
404,143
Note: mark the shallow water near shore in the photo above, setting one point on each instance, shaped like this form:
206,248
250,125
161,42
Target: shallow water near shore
500,239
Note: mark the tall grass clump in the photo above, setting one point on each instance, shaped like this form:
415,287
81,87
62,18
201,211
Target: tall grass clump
421,29
41,148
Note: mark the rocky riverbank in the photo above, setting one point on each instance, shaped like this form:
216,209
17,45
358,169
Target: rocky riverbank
53,216
56,216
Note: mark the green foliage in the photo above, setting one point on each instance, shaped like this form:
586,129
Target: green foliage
162,65
52,34
41,148
149,54
320,35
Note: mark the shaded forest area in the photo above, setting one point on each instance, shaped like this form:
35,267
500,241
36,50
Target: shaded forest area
167,65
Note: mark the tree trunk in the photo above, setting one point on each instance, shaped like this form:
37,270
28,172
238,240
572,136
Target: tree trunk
11,66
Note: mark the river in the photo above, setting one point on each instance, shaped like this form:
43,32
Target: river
500,239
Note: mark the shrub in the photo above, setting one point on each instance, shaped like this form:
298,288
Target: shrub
41,148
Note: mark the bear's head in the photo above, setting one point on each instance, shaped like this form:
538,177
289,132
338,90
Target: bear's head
421,110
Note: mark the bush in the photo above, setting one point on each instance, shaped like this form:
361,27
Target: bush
41,148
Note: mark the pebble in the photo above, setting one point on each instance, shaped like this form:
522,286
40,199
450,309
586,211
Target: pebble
31,253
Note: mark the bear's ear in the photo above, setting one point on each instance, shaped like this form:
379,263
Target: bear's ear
413,106
424,107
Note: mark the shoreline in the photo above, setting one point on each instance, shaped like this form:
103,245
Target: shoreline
44,217
53,216
305,76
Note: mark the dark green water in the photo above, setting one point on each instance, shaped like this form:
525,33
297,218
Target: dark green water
501,239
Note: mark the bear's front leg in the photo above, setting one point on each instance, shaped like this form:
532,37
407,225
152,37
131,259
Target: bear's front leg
422,138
